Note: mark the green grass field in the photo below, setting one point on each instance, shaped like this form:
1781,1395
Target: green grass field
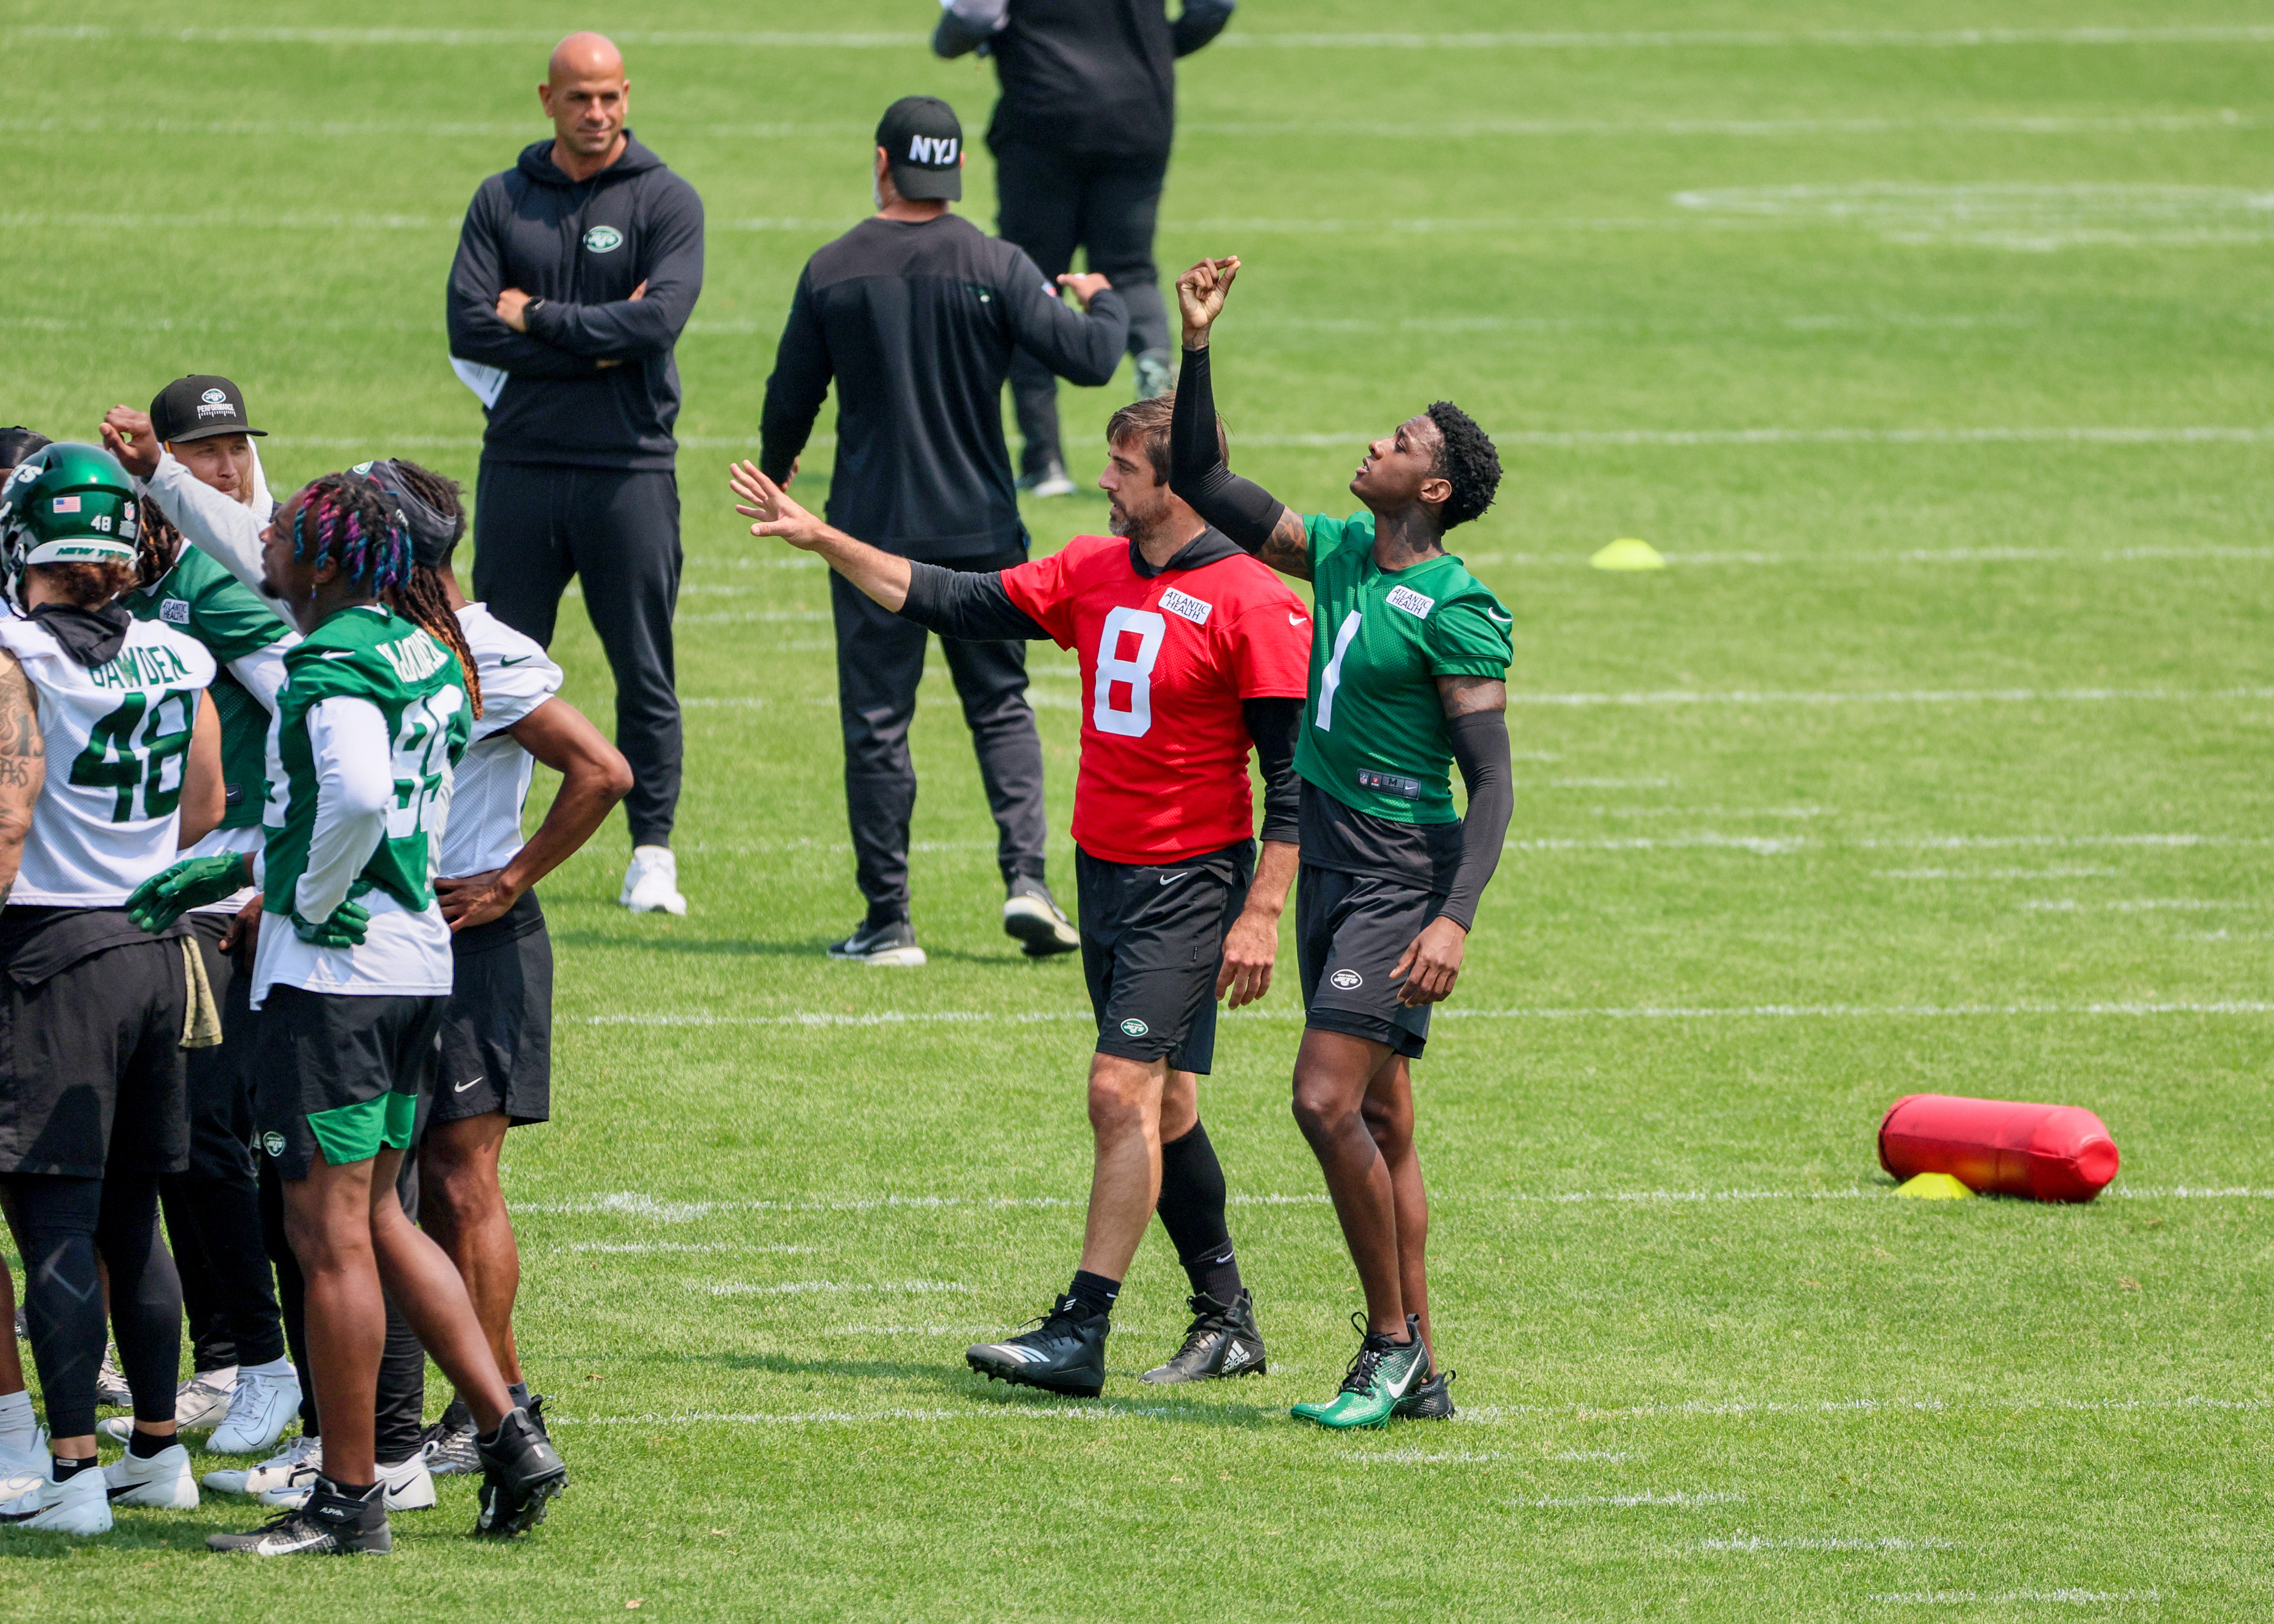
1938,364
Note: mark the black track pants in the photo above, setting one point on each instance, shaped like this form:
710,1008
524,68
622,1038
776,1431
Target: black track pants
212,1208
64,1224
880,660
616,530
1052,202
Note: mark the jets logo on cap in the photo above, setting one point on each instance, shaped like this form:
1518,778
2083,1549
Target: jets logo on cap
603,239
214,397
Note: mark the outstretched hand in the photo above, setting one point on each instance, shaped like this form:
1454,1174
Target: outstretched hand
1200,296
777,513
128,436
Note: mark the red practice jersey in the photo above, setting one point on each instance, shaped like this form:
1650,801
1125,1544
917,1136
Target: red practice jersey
1165,661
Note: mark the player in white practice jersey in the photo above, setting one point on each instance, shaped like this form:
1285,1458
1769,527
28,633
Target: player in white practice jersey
497,1032
110,763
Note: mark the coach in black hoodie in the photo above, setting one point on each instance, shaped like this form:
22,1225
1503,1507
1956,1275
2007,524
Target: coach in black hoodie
577,269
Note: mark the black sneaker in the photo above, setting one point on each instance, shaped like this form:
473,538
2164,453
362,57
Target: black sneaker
892,943
329,1524
1033,916
1431,1398
1222,1341
1065,1353
448,1444
521,1470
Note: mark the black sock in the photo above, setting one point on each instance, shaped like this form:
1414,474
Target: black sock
455,1417
518,1392
1094,1292
1192,1211
349,1491
67,1469
142,1444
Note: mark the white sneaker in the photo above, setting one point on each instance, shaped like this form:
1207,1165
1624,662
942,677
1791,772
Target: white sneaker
162,1480
272,1473
80,1507
410,1487
651,883
262,1407
23,1471
203,1401
1033,917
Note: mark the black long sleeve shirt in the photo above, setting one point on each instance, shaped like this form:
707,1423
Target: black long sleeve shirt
916,322
582,247
1083,75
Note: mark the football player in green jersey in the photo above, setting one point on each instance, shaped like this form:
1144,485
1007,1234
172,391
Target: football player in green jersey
1408,664
352,972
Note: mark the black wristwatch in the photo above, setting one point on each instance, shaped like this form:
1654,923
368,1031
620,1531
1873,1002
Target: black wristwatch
533,306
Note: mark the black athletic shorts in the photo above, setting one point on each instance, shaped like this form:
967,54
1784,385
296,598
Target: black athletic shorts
1152,942
91,1017
342,1073
1351,930
497,1032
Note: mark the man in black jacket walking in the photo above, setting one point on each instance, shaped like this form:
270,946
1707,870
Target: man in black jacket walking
577,271
1081,139
916,313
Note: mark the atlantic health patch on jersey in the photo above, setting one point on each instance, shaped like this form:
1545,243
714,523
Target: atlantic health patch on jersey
1185,604
1410,601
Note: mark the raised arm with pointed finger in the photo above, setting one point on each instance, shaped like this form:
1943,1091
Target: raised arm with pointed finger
1254,518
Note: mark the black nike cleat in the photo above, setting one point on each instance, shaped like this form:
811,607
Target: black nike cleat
329,1524
521,1470
1430,1401
1064,1353
449,1443
1222,1341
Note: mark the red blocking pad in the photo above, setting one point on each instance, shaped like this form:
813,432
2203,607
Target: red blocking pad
2047,1152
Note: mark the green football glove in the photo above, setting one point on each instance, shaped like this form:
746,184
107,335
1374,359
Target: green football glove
160,900
348,926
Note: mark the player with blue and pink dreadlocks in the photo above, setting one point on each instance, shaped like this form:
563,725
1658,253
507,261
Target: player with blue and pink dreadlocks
351,973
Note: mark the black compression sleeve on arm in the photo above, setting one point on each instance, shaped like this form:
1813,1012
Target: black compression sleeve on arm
1480,746
1200,21
1275,724
1239,508
958,602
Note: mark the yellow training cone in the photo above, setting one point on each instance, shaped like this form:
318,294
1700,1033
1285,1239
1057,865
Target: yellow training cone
1627,553
1933,1187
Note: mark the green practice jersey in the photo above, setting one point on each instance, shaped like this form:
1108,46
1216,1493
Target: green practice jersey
201,599
370,653
1373,727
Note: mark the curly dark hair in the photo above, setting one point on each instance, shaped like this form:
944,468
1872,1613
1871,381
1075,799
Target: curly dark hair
344,519
1469,459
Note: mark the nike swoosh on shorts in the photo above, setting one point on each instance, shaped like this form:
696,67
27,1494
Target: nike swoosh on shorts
461,1088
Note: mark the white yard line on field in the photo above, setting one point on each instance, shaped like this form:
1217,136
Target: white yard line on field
1677,1497
1685,39
826,1019
1903,697
2099,434
1915,555
800,1287
1750,1544
2011,1598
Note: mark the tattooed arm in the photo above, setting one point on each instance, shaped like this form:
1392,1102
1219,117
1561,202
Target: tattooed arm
23,766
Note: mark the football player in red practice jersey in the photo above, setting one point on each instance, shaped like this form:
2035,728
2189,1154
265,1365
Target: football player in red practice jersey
1191,651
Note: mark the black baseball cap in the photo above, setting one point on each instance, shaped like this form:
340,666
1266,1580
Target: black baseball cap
199,407
923,144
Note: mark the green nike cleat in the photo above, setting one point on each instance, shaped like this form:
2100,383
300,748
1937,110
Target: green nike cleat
1380,1377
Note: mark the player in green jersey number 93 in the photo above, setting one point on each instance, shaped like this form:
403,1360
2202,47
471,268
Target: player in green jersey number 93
1409,662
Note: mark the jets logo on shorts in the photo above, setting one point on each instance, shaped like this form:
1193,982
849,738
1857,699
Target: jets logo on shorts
273,1143
1346,980
603,239
1135,1027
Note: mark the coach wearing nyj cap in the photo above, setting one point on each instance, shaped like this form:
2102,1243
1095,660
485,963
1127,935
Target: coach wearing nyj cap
916,313
577,271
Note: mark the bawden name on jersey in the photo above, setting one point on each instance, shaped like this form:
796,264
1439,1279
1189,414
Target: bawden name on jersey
118,743
1165,661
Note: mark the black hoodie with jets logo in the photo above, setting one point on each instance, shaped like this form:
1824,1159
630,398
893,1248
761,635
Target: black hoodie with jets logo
580,247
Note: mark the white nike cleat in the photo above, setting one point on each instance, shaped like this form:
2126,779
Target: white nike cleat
80,1507
651,883
162,1480
264,1404
409,1485
272,1473
23,1471
199,1402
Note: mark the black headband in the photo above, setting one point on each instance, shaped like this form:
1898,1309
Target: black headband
431,534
